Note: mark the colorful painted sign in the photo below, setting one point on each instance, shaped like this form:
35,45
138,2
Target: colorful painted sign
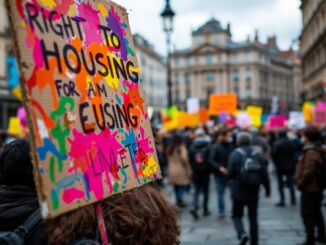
219,103
170,117
84,99
320,117
243,119
255,112
307,109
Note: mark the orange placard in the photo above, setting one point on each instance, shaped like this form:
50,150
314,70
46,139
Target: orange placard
203,115
187,119
219,103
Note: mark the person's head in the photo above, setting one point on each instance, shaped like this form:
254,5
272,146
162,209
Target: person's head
244,138
16,165
138,216
225,135
282,134
199,133
312,135
176,142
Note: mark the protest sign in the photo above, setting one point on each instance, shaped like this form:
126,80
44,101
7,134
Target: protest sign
170,117
255,112
296,120
307,110
277,121
13,77
243,120
203,115
193,105
14,126
188,120
91,135
320,117
219,103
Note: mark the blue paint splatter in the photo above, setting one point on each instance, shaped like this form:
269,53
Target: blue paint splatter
118,99
51,148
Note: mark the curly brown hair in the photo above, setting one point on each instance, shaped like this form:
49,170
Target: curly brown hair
141,216
138,216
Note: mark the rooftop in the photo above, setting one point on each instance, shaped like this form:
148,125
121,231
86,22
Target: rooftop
211,26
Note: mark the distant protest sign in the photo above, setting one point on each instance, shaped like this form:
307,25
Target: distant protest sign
320,117
193,105
255,112
296,120
219,103
91,135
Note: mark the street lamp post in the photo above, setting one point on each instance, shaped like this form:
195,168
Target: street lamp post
167,16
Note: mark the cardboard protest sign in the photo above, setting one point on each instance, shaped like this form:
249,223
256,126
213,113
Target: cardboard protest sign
170,117
14,126
277,121
243,120
320,117
91,135
255,112
193,105
296,120
203,115
188,120
307,110
219,103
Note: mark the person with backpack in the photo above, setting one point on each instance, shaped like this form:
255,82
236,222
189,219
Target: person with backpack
283,154
311,178
218,159
247,170
198,156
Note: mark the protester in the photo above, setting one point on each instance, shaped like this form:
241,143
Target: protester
310,169
218,159
247,170
283,153
179,169
138,216
18,198
198,156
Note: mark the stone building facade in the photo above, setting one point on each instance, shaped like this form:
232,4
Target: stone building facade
255,71
313,49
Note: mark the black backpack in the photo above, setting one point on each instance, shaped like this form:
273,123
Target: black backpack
251,172
20,234
200,159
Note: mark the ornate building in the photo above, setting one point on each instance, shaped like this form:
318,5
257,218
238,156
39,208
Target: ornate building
313,49
153,73
255,71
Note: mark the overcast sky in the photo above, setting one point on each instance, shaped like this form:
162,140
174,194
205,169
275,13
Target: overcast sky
269,17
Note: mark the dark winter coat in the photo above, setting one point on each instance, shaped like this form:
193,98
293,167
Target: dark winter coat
283,154
219,157
17,203
200,144
240,192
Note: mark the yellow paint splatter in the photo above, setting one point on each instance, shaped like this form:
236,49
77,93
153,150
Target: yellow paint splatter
23,24
102,9
151,167
71,11
112,82
48,3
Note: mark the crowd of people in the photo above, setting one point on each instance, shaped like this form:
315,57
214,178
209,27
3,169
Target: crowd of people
241,160
238,159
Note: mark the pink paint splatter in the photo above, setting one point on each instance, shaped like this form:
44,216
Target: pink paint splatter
95,155
71,194
87,12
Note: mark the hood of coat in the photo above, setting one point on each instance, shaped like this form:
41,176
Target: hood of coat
201,142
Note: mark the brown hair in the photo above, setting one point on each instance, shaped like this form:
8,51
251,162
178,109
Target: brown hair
141,216
138,216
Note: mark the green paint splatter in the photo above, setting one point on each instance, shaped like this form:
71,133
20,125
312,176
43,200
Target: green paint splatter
145,180
116,187
55,199
52,170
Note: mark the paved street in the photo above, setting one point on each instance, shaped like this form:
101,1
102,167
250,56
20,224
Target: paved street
278,226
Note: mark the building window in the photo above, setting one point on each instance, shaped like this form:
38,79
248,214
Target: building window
176,61
247,56
248,74
209,91
237,90
234,58
235,75
248,93
216,40
177,96
188,93
176,78
187,79
209,76
208,59
187,61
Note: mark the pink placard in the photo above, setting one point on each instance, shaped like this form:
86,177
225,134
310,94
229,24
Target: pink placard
320,117
320,106
277,121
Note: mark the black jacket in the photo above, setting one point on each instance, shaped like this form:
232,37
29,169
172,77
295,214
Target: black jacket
17,203
240,192
200,144
283,154
219,157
